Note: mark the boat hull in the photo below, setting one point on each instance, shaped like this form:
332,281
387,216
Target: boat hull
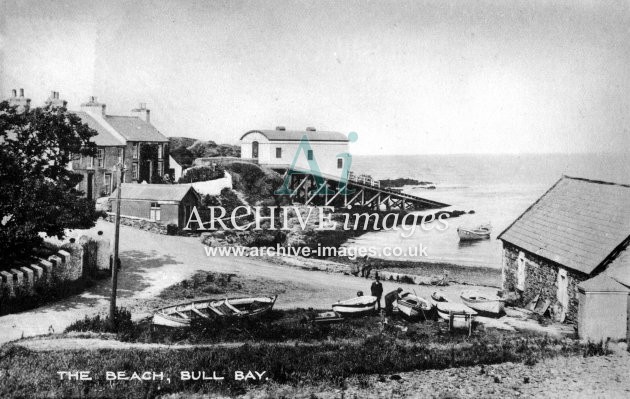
182,315
356,306
413,306
470,235
462,314
489,305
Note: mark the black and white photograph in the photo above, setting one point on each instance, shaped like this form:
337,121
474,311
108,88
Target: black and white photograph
314,199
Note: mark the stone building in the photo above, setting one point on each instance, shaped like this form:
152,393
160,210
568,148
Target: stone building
574,232
132,140
159,204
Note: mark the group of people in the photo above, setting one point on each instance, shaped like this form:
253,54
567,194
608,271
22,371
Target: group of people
377,290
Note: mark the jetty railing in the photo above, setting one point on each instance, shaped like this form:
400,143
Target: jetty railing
364,179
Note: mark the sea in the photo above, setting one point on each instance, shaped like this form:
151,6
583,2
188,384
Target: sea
498,188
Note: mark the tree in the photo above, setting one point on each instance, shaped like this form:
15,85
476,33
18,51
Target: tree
38,190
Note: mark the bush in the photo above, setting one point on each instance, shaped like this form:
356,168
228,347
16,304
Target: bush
202,173
122,323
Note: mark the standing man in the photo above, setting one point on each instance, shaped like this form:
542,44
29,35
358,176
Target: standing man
389,300
377,291
367,267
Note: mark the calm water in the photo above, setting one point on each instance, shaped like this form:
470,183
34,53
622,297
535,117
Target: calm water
497,187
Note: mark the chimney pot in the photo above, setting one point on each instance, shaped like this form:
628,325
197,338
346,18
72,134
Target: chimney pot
21,92
14,92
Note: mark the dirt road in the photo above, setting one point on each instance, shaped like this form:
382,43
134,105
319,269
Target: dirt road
152,262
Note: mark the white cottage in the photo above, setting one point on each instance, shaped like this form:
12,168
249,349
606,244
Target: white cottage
277,149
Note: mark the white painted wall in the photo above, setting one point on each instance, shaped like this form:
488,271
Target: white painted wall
324,152
213,187
177,168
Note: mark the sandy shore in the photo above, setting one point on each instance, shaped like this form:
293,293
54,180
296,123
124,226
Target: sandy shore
562,377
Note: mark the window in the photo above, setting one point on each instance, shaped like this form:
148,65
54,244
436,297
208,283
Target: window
254,149
100,156
309,155
90,162
108,183
121,155
160,151
520,276
134,170
160,168
155,213
563,288
339,163
135,150
278,152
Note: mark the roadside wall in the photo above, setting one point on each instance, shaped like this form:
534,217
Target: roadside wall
140,223
72,263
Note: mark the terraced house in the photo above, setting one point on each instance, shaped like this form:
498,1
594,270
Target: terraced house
132,140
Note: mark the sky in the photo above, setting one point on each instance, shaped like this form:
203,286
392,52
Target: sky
410,77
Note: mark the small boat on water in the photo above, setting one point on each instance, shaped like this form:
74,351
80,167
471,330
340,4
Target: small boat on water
182,315
414,306
357,306
483,303
481,232
462,314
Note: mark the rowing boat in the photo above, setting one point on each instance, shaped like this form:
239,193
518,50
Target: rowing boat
413,306
461,313
478,233
183,314
483,303
357,306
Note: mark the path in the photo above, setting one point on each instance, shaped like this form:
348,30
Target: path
152,262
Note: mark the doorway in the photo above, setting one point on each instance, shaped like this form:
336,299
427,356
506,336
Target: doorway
90,186
254,149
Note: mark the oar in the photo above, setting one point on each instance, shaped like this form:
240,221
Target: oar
422,310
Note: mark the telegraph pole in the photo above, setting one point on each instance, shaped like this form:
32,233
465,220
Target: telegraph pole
115,262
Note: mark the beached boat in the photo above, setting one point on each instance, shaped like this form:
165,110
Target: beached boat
328,318
357,306
478,233
438,297
461,313
414,306
182,315
488,304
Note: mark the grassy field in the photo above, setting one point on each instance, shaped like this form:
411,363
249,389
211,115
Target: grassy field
286,345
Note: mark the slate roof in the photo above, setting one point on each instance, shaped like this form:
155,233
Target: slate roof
135,129
154,192
602,283
619,268
104,138
577,223
296,135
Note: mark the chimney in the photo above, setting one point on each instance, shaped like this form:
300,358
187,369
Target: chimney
143,112
310,129
93,106
54,102
22,104
281,128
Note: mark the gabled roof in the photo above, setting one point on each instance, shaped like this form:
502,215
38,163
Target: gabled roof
296,135
577,223
619,268
135,129
154,192
602,283
104,137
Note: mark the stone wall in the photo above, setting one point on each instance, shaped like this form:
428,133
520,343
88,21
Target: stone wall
541,278
140,223
73,262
